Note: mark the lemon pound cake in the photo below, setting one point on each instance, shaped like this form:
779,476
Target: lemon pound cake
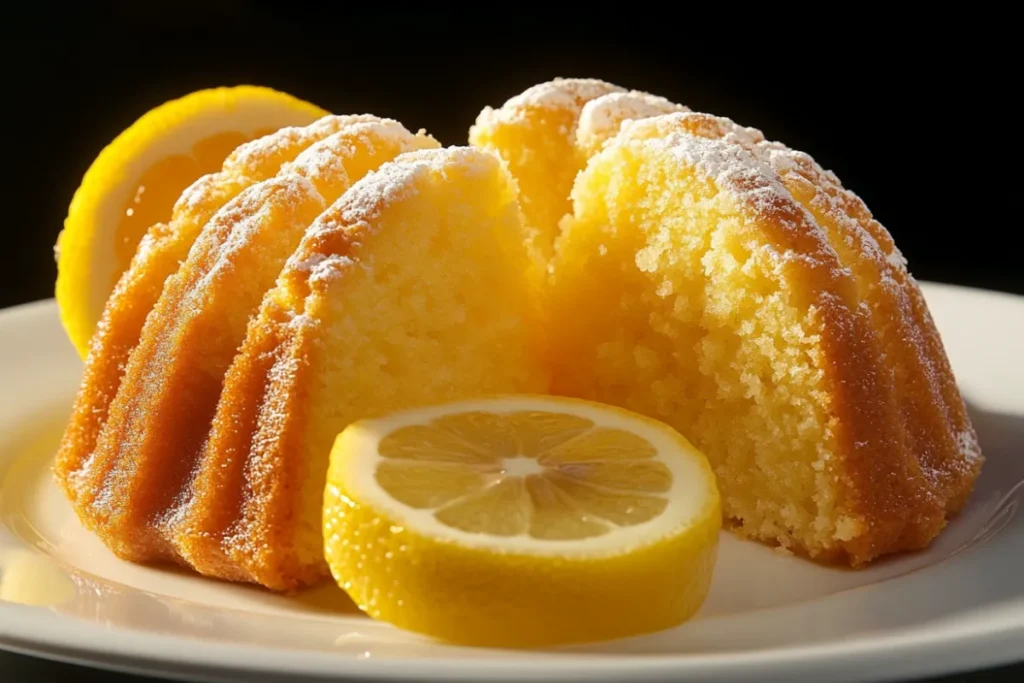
545,135
416,287
160,253
159,417
534,132
601,118
730,288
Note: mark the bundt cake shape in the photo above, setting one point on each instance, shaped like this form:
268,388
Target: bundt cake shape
130,459
732,288
592,242
545,135
159,255
416,287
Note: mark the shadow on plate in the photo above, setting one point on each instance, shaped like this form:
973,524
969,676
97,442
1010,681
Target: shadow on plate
977,579
325,618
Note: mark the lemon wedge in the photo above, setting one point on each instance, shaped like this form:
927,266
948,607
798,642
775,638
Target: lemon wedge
136,179
521,521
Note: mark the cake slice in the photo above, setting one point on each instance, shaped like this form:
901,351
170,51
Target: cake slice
602,117
415,287
162,250
160,416
931,410
732,289
546,134
534,132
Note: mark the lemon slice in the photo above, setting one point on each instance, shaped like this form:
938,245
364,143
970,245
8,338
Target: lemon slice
521,521
136,179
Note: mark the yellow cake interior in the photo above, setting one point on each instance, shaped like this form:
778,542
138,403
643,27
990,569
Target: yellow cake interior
681,320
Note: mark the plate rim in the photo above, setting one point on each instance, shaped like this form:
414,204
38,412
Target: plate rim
992,643
995,640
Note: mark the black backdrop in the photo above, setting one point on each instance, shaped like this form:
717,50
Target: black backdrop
907,117
903,118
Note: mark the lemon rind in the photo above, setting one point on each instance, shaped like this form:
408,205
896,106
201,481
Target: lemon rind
105,189
693,498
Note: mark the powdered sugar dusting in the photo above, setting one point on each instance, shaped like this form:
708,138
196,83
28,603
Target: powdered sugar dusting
695,123
299,262
198,193
886,290
260,159
562,93
319,267
251,152
384,187
362,204
329,269
249,214
302,321
967,440
567,94
397,180
755,186
829,198
602,117
730,166
896,258
740,135
325,159
787,161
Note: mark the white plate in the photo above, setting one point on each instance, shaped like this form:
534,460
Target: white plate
959,605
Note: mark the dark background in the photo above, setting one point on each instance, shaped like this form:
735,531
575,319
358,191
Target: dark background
908,118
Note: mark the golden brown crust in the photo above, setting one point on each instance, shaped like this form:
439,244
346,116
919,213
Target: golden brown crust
264,540
601,118
908,451
146,486
912,370
960,471
116,335
161,415
285,350
270,473
218,487
537,130
253,447
159,255
873,472
179,450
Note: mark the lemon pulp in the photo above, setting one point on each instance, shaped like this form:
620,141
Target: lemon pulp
162,183
543,474
131,187
521,521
